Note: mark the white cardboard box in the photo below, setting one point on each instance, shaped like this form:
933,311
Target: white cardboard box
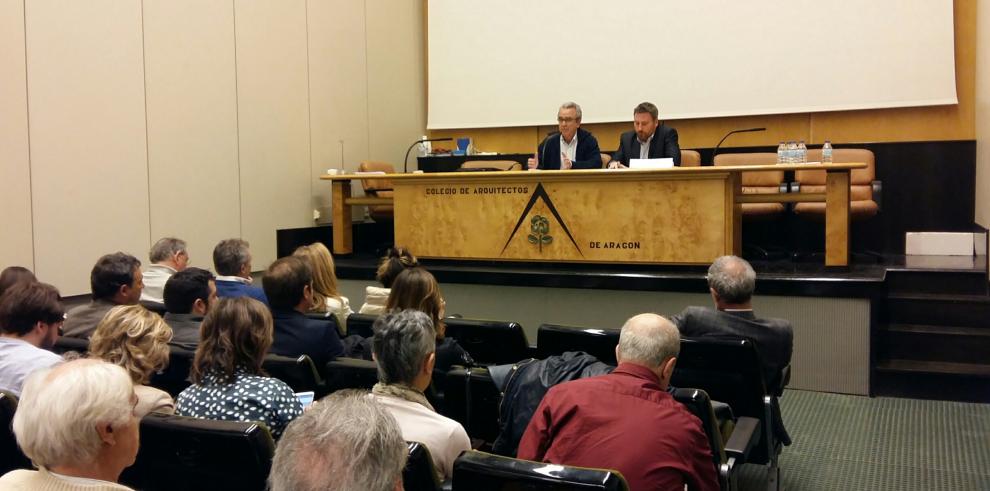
945,243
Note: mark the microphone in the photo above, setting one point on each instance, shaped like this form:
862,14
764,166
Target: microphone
747,130
405,161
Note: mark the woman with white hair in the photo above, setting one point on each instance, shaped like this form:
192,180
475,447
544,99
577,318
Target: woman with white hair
77,424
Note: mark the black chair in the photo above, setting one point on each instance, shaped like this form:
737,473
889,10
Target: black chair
730,372
472,399
158,308
64,345
349,373
299,373
741,441
175,377
490,342
419,474
360,324
555,339
179,452
479,471
10,454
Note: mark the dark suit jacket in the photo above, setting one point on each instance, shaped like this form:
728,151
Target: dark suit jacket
664,145
774,338
81,321
586,156
185,329
233,289
296,334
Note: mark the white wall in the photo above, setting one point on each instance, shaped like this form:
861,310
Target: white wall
122,122
983,114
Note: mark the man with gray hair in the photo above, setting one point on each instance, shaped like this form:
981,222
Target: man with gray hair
232,261
569,148
626,420
404,345
731,282
344,442
168,256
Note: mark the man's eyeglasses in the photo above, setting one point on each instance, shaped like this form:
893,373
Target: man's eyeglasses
566,120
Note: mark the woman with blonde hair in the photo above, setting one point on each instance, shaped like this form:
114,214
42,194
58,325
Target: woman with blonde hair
396,261
136,339
326,298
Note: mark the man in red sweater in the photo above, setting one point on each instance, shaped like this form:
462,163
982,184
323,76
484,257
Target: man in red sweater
626,421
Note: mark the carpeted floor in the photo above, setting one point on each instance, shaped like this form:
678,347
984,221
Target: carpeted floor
852,442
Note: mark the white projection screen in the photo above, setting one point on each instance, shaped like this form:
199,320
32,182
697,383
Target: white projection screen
513,62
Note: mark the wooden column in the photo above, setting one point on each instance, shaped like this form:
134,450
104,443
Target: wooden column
837,218
343,241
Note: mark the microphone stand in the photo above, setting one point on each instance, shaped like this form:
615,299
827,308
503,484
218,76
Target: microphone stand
405,161
715,152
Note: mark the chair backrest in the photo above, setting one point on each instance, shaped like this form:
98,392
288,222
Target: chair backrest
299,373
175,377
858,177
349,373
360,324
690,158
65,344
419,474
756,182
492,164
375,186
487,472
11,456
471,398
555,339
179,452
489,342
156,307
700,405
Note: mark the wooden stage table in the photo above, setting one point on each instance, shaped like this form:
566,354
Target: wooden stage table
683,215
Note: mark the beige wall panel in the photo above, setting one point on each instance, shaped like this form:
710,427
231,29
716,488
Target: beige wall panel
192,123
396,78
983,116
273,117
15,170
88,151
338,100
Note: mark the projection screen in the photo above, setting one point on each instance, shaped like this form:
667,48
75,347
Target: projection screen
513,62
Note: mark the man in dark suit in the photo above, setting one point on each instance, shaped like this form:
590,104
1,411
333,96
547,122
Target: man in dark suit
189,295
650,140
571,147
288,284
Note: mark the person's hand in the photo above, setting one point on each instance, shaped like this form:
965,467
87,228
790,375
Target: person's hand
615,164
531,163
565,163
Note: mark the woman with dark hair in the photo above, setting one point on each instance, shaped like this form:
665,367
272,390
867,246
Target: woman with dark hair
417,289
228,383
396,261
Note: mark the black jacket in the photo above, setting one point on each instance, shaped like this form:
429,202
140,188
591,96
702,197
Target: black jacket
664,145
586,156
296,334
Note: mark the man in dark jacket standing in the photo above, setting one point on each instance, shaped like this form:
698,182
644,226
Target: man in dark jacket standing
649,140
571,147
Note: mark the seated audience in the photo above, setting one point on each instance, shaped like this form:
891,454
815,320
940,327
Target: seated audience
232,260
288,284
417,289
344,442
136,339
189,295
12,275
30,317
626,420
404,348
731,281
115,280
326,298
395,261
168,256
78,424
226,371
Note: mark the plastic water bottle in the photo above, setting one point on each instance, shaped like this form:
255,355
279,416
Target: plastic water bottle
781,153
827,152
802,152
792,157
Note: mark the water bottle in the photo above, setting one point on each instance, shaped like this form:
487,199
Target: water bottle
802,152
792,157
781,153
827,152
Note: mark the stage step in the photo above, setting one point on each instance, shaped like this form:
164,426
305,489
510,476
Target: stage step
939,309
937,282
979,370
967,382
934,343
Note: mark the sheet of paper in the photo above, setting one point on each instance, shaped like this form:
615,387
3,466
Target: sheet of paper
667,163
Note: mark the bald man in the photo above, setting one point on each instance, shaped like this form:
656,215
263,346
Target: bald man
626,420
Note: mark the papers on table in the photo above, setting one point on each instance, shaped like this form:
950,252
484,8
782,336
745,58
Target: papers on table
667,163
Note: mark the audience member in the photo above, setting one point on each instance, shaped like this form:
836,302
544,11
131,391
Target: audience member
232,260
288,284
189,295
78,424
168,256
226,371
326,298
136,339
395,261
115,280
626,420
14,274
417,289
571,147
404,348
344,442
731,281
30,317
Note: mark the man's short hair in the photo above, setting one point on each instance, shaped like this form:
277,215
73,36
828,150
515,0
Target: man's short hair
345,441
165,248
572,105
26,304
61,407
285,280
12,275
401,343
183,289
230,255
732,278
647,107
111,272
649,339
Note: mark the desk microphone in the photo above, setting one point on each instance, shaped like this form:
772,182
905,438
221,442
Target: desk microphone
747,130
405,161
